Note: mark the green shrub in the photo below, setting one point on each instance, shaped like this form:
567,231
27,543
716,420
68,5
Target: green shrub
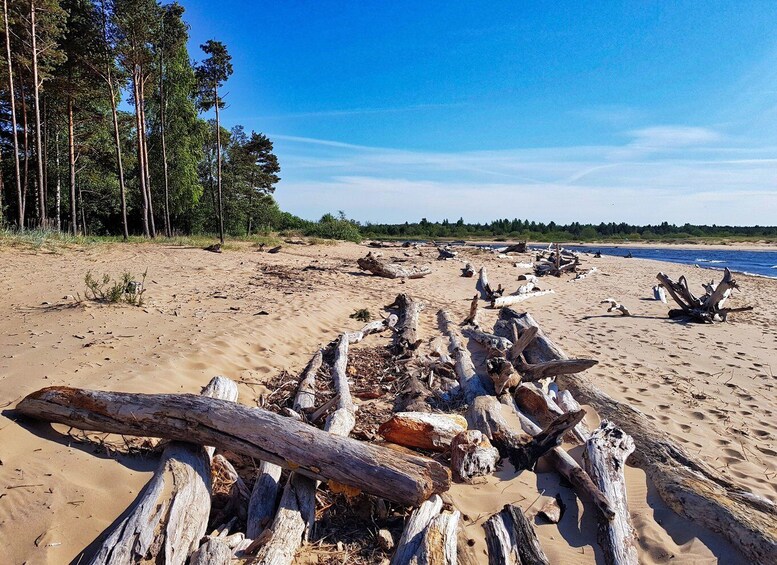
126,289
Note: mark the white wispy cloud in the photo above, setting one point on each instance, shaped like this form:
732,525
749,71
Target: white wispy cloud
675,173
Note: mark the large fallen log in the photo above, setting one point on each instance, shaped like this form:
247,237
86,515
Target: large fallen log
605,456
406,336
380,268
170,516
484,288
402,478
511,539
439,542
689,486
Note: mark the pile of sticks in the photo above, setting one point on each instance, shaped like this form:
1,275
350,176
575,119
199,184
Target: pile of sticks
555,261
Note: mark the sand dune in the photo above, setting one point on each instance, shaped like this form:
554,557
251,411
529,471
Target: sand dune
250,315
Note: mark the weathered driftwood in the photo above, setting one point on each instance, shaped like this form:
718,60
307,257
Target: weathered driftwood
468,271
251,431
502,301
706,309
261,506
406,336
170,515
511,539
375,326
564,464
239,495
520,339
423,429
415,526
306,393
567,403
446,253
380,268
472,455
605,458
519,247
484,412
689,486
614,305
439,542
501,372
484,288
294,520
535,371
486,339
472,319
215,551
533,401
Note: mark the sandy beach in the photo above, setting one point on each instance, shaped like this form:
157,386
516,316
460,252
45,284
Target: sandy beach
250,315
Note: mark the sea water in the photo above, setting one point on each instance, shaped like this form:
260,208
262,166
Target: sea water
763,263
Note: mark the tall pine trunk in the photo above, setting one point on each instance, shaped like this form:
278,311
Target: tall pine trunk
218,166
71,147
144,137
116,133
139,136
36,103
162,103
15,129
25,137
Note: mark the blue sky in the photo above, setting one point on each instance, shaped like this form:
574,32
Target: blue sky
615,111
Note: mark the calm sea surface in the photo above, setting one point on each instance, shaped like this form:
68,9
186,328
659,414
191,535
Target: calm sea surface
762,263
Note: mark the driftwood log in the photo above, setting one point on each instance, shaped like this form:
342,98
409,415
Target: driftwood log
689,486
254,432
472,455
439,542
706,309
406,336
171,514
415,526
472,318
502,301
423,430
484,288
605,458
380,268
511,539
468,271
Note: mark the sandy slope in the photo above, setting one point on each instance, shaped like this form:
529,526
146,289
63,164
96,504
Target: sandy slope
710,387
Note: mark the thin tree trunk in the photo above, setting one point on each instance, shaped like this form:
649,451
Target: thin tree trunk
83,213
141,169
36,104
162,104
116,134
59,187
145,155
14,132
25,129
72,165
45,153
218,166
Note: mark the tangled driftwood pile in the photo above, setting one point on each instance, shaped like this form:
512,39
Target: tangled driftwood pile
707,308
555,261
516,408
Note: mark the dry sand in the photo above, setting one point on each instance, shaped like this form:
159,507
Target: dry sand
710,387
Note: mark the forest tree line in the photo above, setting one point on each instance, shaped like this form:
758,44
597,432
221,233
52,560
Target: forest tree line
551,231
100,126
